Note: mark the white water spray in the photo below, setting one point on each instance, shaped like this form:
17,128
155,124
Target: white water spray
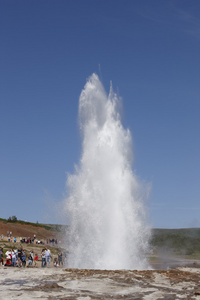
107,216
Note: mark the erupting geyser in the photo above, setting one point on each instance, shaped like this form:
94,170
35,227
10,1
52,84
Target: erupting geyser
108,227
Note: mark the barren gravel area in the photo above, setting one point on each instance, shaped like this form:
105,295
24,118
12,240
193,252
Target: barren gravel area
60,283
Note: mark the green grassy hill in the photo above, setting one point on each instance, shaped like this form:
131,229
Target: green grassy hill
181,241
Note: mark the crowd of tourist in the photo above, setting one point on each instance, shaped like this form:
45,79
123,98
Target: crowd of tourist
29,240
21,258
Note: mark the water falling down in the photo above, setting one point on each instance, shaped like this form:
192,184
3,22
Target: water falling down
108,228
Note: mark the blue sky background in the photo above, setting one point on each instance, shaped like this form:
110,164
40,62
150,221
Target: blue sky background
150,51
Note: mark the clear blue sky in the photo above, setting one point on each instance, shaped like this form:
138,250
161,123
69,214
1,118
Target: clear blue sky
151,52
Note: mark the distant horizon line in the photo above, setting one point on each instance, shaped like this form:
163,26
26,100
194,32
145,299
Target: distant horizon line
56,224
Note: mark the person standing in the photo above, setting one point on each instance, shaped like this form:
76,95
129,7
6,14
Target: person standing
19,253
35,259
48,256
60,260
23,258
13,257
43,258
31,253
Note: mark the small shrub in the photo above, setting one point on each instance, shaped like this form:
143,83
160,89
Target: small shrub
12,219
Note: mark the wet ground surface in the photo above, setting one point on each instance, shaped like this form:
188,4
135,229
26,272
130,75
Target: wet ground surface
58,283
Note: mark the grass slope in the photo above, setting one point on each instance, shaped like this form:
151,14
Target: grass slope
181,241
52,227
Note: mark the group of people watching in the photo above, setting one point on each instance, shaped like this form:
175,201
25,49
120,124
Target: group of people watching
29,240
14,258
19,258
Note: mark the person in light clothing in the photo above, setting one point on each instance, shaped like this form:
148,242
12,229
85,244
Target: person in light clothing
48,257
13,253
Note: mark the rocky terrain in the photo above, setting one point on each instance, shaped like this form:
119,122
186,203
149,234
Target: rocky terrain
68,284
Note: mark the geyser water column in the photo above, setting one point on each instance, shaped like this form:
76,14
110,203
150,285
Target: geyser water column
108,227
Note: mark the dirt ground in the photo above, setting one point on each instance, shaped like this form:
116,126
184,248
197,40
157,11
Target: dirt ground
23,230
